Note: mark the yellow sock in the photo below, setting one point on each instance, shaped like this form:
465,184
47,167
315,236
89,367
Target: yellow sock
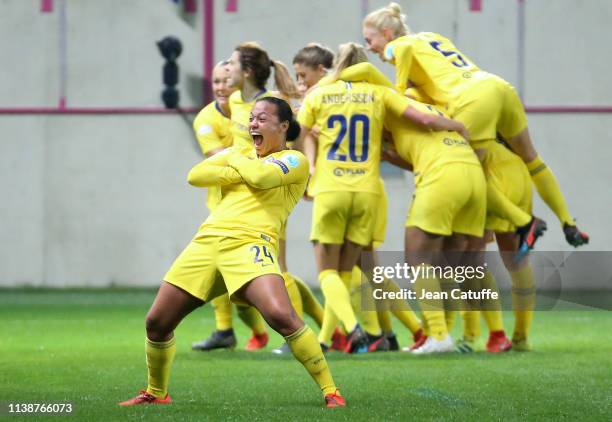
523,301
252,318
425,325
384,319
330,322
338,298
401,309
471,325
499,205
432,308
470,309
450,317
363,302
310,304
294,294
549,189
223,312
491,312
160,355
307,351
347,278
451,306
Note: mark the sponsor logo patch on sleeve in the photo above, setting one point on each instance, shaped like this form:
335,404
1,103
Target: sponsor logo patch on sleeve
204,129
282,165
389,52
291,160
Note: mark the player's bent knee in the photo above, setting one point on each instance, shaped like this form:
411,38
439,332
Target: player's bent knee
282,319
157,329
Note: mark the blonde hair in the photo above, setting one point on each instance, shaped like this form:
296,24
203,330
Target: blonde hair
349,54
283,80
388,17
255,58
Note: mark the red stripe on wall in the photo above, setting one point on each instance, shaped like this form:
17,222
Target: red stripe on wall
231,6
190,6
208,34
475,5
46,6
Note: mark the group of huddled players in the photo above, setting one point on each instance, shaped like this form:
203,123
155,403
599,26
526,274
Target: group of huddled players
461,131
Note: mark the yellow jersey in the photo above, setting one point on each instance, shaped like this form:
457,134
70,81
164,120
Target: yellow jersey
350,118
258,193
212,130
240,114
425,149
431,63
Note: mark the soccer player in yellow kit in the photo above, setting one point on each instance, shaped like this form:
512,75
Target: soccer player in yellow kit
234,250
489,106
349,116
249,71
484,102
437,218
378,324
212,129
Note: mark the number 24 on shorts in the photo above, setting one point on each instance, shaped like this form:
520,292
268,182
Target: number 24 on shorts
262,255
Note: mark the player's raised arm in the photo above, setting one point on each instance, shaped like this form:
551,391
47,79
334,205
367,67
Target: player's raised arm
435,121
411,110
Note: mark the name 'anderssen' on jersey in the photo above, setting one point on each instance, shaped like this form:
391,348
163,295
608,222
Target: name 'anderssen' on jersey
361,98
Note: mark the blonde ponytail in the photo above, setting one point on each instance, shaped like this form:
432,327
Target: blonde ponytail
283,80
349,54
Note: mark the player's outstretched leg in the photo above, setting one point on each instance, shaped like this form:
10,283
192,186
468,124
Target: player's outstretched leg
523,292
547,186
269,295
169,308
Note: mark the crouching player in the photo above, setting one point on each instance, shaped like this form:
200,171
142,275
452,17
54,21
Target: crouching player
234,251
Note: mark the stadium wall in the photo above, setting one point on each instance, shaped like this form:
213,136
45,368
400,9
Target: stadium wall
101,199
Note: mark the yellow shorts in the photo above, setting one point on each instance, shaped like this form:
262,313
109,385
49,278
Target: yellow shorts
506,172
337,216
380,221
488,106
213,265
448,199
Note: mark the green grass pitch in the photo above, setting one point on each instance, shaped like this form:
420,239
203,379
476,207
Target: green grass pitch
87,347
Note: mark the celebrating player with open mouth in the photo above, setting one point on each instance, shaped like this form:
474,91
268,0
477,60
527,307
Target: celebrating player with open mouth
234,250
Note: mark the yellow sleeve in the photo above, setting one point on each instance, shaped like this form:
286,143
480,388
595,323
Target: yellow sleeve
418,95
214,171
366,71
306,116
208,138
271,172
394,102
401,55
